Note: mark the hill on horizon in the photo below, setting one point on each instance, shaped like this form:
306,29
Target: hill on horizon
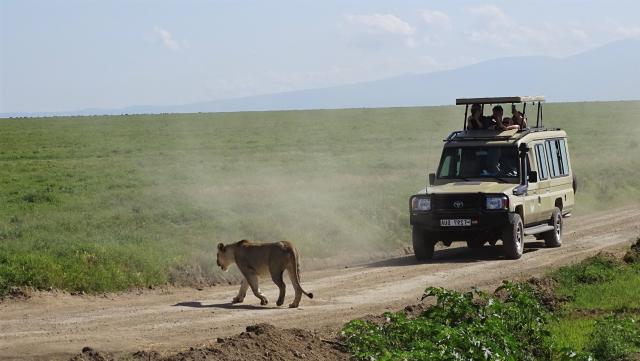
605,73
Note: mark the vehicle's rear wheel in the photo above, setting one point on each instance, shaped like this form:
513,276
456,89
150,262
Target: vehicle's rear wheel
553,238
423,244
513,237
475,243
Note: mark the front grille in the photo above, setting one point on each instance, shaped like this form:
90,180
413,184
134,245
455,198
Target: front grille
457,202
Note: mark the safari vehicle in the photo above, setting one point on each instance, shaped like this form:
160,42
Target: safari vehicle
496,185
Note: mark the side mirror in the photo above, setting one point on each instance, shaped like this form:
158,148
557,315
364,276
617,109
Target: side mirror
432,178
533,176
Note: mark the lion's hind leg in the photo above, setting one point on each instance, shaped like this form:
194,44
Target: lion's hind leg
296,286
276,276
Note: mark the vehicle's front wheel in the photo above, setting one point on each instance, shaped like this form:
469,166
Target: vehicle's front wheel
513,237
553,238
423,244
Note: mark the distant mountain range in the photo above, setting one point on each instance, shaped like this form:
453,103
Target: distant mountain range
610,72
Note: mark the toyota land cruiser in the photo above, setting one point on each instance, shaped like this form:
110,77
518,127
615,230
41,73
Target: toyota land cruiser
495,185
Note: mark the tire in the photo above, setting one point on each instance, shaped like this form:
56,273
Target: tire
423,244
554,238
575,184
475,243
513,237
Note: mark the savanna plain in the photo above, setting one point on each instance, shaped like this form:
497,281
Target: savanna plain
111,203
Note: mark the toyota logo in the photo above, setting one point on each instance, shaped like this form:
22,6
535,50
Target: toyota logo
458,204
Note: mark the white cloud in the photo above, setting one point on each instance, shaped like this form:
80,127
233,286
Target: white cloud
167,39
385,22
496,28
492,13
436,18
579,34
627,31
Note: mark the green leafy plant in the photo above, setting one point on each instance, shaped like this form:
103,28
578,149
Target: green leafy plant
460,326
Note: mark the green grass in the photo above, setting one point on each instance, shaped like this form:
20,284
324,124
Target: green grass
572,333
600,283
109,202
602,316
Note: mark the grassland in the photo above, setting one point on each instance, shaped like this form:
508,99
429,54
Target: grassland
602,311
110,202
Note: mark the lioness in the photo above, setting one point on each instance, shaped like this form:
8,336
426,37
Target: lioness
255,259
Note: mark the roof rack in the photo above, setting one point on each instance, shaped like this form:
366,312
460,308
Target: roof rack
539,99
500,100
466,135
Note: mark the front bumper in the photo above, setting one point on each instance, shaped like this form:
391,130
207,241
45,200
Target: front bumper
483,223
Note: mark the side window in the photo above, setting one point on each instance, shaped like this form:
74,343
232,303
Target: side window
446,164
543,168
552,153
564,160
450,163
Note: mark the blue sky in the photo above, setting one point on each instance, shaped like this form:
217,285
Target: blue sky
68,55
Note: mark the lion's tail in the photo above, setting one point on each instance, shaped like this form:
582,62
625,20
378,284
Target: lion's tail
296,267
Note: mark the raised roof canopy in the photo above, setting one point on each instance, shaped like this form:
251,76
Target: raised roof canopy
500,100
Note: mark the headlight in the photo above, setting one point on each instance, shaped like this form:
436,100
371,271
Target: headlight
420,203
497,202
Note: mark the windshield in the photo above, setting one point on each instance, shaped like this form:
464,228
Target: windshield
479,162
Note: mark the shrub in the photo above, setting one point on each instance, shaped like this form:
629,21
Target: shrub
464,326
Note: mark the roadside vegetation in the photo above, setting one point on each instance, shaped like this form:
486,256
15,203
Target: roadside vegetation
598,318
107,203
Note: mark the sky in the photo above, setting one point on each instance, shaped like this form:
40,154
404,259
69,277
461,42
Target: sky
69,55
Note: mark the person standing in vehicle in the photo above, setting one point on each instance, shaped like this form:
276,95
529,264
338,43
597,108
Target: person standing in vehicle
477,121
517,118
474,122
496,119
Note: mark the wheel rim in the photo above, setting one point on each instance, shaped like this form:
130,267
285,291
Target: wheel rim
558,225
518,237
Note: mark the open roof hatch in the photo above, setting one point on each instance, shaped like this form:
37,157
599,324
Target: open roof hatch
534,100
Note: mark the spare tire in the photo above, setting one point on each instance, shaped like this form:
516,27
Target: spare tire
575,184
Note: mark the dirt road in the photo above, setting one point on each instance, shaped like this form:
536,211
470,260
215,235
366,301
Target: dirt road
50,326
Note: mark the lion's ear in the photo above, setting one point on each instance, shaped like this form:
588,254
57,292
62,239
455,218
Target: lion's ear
220,247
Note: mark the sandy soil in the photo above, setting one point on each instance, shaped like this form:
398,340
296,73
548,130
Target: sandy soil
56,325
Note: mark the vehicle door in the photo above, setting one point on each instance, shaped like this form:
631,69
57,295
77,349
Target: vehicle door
533,206
559,174
545,200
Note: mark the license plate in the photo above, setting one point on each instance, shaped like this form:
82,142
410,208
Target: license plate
455,222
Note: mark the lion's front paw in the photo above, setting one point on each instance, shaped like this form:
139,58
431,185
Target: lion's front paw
237,300
264,301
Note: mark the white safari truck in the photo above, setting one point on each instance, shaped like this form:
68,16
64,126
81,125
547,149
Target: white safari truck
493,185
